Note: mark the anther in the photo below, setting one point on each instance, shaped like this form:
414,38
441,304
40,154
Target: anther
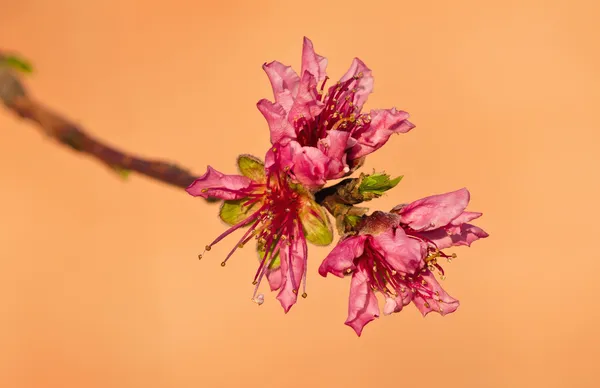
443,277
204,190
223,264
207,247
304,295
423,282
348,271
427,305
295,291
200,256
394,272
274,149
453,256
254,283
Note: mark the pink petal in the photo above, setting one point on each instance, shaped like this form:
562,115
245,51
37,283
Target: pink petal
311,166
435,211
281,155
275,279
284,82
341,258
312,62
362,306
384,123
276,117
390,306
364,84
427,302
293,260
465,217
466,234
306,103
214,184
334,145
404,254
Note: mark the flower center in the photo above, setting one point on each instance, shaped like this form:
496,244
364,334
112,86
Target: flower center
391,283
339,113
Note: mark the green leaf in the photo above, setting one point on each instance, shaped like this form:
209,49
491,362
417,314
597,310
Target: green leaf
234,212
17,63
275,262
251,167
378,184
315,222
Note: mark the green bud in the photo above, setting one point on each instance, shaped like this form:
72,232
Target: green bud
377,184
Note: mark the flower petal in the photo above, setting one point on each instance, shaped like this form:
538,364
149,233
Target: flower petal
404,254
293,261
462,235
306,103
364,84
334,145
214,184
465,217
384,123
434,211
275,279
312,62
433,298
362,306
284,82
311,166
276,117
341,258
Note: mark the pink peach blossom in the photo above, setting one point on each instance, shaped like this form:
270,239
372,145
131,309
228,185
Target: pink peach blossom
275,214
327,132
396,254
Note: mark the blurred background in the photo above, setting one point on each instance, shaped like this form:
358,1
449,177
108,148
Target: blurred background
100,285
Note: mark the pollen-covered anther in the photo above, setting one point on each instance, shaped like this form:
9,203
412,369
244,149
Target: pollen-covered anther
254,283
423,282
394,272
348,271
241,245
295,291
208,247
304,295
204,190
223,264
259,299
200,256
427,305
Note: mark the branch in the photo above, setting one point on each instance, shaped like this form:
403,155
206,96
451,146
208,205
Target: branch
15,97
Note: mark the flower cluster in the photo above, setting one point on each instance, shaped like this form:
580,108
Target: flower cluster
319,134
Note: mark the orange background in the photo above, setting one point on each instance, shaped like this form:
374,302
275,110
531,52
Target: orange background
99,281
